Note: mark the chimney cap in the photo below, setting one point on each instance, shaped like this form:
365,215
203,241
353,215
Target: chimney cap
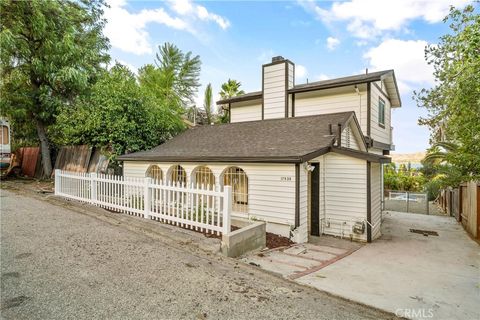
277,58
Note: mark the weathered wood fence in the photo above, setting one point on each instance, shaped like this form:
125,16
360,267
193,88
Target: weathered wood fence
463,203
193,207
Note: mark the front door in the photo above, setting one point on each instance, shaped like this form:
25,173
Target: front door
315,200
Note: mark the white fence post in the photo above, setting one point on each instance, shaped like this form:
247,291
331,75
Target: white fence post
147,197
227,209
93,187
57,181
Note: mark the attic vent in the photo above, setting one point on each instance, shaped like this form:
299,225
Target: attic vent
277,58
347,138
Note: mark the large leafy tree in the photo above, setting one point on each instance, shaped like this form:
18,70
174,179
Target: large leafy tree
453,103
50,52
118,116
174,78
229,89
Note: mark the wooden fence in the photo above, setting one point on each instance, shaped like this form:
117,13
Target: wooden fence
193,207
463,203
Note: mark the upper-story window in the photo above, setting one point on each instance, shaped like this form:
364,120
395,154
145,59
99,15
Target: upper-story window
381,112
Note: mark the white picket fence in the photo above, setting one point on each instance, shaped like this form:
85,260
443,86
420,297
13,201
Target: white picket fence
193,207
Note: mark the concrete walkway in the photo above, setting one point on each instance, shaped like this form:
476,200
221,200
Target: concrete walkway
410,274
302,259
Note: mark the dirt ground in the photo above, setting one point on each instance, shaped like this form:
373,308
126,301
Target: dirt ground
60,264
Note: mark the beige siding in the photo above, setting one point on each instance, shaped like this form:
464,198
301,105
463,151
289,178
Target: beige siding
291,76
303,227
274,91
376,192
377,132
271,188
246,111
349,139
343,194
332,101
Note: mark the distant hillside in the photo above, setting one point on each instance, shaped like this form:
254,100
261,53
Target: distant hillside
407,157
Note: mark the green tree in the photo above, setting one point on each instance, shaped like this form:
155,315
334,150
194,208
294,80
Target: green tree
453,104
207,104
50,52
174,78
229,89
118,116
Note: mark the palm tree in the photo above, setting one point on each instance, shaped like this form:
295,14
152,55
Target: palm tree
230,89
440,152
207,103
174,79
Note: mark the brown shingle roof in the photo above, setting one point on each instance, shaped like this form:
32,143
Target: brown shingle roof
331,83
278,140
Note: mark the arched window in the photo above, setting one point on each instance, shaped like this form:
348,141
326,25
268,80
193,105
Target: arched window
238,180
204,177
178,175
154,172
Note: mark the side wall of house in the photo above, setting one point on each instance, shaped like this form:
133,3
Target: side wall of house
303,230
377,132
246,111
271,189
332,101
375,183
343,194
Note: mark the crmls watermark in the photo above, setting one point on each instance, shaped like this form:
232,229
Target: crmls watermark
414,313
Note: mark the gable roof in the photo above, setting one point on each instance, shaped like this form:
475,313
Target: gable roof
388,76
291,140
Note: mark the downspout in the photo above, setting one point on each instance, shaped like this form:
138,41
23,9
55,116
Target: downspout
369,202
382,190
297,195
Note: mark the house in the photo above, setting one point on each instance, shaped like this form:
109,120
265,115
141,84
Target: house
307,158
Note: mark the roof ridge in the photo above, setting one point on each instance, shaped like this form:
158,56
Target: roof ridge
275,119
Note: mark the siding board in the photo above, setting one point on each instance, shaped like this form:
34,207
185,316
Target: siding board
270,199
246,112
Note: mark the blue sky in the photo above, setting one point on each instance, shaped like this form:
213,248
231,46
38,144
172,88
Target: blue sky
324,40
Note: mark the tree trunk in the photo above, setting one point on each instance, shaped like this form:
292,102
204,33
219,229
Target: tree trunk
44,149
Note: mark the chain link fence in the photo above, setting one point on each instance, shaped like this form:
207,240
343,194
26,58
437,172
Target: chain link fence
403,201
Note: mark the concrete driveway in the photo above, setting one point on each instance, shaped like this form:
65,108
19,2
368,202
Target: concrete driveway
410,274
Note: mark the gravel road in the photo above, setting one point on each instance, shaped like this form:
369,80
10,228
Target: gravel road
59,264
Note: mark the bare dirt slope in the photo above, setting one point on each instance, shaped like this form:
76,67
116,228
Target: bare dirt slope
59,264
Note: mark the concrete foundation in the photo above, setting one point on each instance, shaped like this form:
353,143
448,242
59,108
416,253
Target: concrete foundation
251,236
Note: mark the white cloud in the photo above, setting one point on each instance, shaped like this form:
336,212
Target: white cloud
406,58
332,43
188,8
321,77
203,14
300,73
369,18
127,31
181,6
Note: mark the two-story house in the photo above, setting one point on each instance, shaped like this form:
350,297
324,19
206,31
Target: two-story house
306,158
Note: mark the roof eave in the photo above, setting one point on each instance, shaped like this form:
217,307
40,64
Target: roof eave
279,159
391,73
240,99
